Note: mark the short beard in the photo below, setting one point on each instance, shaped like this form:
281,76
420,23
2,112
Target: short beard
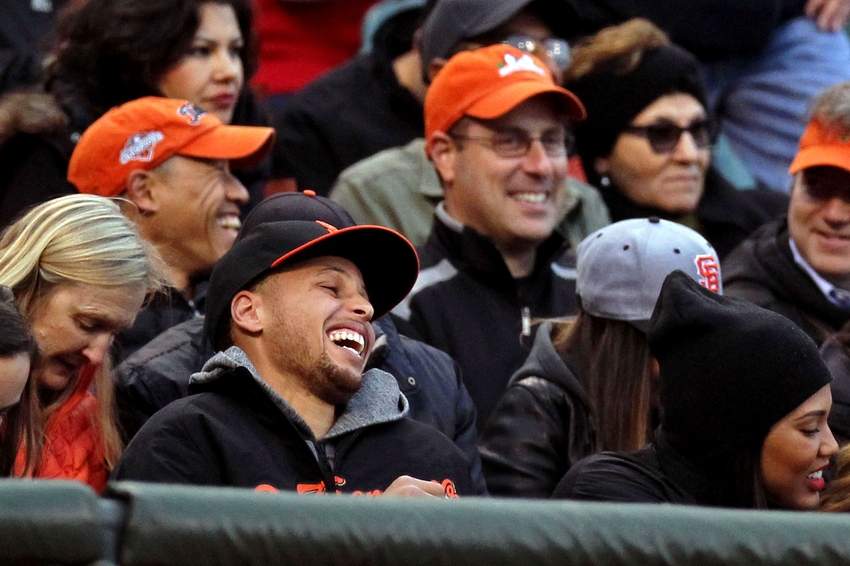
331,383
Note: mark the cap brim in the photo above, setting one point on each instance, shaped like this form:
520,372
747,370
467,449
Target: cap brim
243,146
387,261
819,155
505,99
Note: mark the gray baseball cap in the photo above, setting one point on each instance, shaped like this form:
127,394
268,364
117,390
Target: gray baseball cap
453,21
621,267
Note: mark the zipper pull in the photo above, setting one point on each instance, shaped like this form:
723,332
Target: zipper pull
526,321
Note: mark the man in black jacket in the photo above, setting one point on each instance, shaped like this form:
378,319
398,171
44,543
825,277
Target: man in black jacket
497,132
285,404
159,372
374,102
800,267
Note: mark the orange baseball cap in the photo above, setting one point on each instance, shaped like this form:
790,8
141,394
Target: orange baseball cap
821,146
143,133
487,83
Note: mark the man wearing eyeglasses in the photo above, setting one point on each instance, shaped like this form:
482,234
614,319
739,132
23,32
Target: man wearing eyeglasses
497,130
374,102
398,187
800,266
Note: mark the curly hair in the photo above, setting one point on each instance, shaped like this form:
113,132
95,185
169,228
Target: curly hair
108,52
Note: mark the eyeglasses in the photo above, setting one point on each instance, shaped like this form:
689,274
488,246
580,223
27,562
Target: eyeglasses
664,137
517,142
557,49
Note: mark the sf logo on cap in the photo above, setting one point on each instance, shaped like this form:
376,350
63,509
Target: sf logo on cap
193,112
707,269
524,63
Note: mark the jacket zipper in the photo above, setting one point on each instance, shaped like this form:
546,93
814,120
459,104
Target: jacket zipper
526,321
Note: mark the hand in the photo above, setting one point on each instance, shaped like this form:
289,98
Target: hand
412,487
831,15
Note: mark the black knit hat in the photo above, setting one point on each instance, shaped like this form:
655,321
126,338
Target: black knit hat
730,370
293,227
613,98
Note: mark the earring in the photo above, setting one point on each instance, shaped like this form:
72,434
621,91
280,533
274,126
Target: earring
605,180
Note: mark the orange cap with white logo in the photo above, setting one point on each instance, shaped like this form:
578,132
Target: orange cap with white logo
143,133
487,83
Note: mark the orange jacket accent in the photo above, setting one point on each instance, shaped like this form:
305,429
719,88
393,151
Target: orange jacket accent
73,449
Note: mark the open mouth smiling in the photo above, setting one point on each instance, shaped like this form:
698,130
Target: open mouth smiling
348,339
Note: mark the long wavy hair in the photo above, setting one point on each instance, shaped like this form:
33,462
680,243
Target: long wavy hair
108,52
81,239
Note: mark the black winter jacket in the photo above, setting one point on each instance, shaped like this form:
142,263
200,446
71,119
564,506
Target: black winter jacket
655,474
726,215
836,354
236,431
345,115
159,374
162,311
540,427
762,270
466,303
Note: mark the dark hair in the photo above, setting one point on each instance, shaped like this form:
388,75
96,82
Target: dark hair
613,363
108,52
737,481
17,425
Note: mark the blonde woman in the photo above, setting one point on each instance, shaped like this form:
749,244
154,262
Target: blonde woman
79,273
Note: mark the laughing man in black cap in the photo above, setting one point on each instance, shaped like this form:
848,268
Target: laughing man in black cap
286,405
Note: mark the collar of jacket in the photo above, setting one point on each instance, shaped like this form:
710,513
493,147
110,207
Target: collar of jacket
475,254
545,362
378,401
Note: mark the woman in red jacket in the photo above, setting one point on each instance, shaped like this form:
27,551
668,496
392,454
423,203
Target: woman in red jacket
79,272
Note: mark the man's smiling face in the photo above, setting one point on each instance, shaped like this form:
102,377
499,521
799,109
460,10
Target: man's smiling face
315,319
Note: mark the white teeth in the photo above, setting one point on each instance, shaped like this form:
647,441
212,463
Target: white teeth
816,475
231,222
533,198
348,339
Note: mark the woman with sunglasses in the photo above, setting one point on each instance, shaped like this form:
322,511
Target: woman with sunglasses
646,143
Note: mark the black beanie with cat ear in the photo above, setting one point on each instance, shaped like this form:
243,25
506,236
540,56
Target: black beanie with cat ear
730,370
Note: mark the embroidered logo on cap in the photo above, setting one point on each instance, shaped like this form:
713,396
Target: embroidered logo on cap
193,112
140,146
707,269
524,63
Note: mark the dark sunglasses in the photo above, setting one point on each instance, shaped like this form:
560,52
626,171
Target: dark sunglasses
664,137
824,183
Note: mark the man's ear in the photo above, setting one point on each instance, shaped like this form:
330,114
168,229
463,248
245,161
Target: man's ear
246,311
140,190
442,150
